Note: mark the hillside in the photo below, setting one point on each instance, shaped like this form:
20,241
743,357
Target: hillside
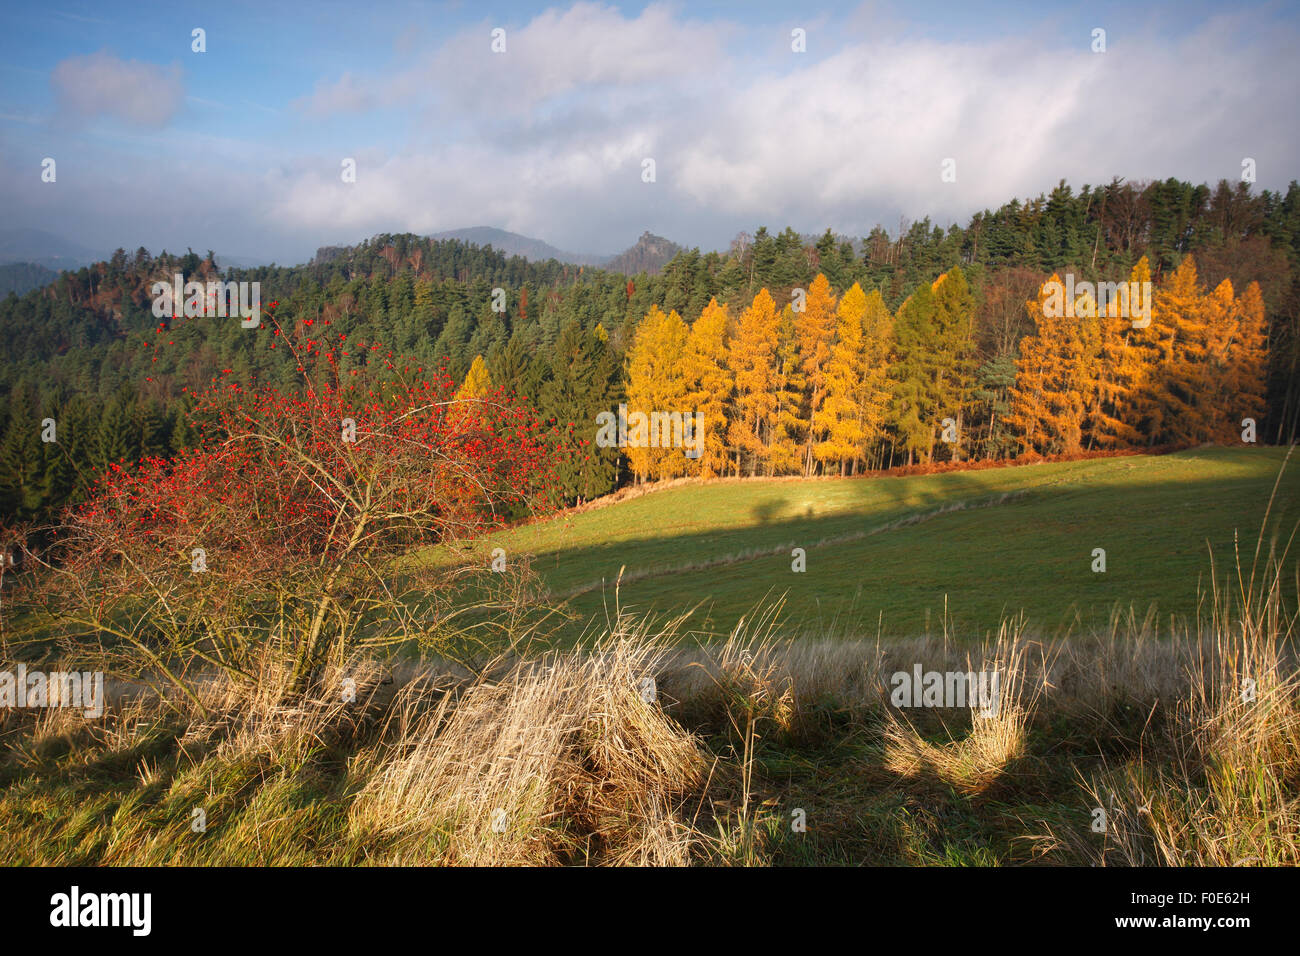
887,555
513,244
650,254
570,336
44,249
21,277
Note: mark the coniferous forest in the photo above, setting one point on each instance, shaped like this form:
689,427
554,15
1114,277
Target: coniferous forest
813,356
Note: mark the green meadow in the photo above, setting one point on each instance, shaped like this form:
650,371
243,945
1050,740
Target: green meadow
413,767
951,553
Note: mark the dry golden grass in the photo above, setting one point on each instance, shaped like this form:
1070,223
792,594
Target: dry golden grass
1225,788
997,736
560,759
1189,741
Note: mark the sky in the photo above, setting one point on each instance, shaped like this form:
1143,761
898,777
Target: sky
241,148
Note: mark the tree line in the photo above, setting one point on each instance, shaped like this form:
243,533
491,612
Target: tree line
837,384
880,350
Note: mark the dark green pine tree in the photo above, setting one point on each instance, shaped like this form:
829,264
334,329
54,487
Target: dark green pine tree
155,430
69,470
491,333
453,343
915,404
182,433
583,383
762,261
516,367
829,262
21,461
118,438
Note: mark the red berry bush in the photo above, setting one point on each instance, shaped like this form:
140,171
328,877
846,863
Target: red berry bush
301,518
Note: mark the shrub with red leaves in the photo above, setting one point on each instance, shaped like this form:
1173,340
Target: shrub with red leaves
303,501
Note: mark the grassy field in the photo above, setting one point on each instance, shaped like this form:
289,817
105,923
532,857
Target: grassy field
751,753
774,746
890,556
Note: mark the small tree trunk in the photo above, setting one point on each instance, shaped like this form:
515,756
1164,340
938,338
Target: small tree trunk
308,650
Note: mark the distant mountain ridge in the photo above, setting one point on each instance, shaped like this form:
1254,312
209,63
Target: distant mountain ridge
42,250
649,254
513,244
38,247
21,277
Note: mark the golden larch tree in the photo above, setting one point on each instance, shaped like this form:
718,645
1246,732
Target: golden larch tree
477,384
711,383
789,424
1126,363
856,381
1181,314
1248,362
815,329
657,385
1049,397
752,359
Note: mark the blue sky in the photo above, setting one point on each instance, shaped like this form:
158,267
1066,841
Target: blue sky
239,148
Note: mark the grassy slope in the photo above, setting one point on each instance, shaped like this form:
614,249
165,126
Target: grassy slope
308,781
1023,543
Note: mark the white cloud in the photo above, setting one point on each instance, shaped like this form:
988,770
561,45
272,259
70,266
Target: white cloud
867,128
345,95
848,138
142,94
547,139
586,50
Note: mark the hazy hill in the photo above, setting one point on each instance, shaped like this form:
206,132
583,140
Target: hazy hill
21,277
650,254
513,244
43,248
